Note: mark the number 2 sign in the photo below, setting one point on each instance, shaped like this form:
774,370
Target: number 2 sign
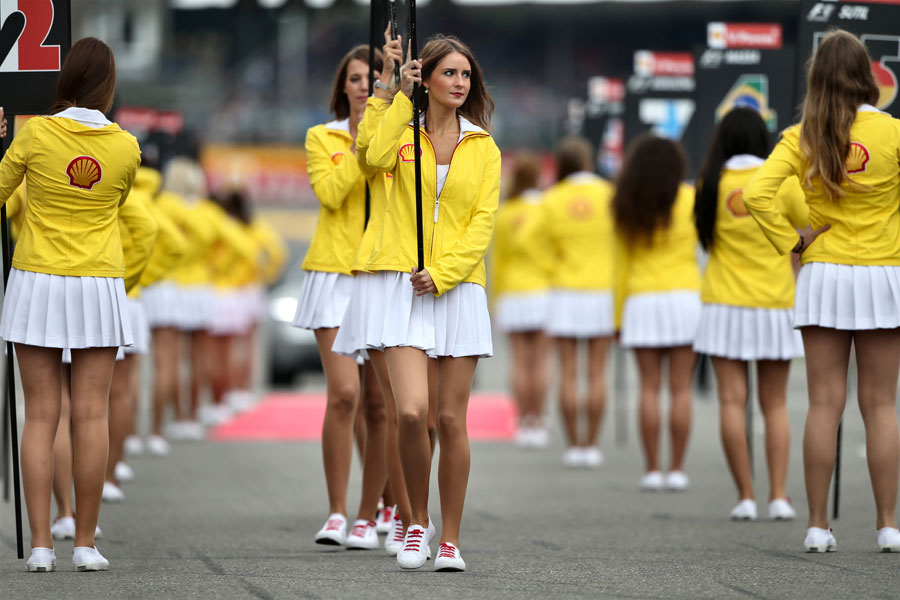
34,37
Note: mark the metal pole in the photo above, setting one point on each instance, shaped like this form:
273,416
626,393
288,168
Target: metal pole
417,144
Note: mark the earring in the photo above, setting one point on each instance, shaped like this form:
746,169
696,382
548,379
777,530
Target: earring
426,90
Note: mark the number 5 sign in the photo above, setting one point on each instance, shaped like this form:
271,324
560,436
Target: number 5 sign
34,37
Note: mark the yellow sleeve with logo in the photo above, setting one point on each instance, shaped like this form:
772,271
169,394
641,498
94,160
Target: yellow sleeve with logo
385,142
12,168
138,231
759,194
375,109
471,246
331,182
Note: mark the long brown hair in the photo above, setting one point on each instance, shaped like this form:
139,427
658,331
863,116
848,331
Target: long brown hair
525,174
340,105
647,187
573,154
840,80
87,78
479,106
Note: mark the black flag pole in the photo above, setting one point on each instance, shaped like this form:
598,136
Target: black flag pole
394,29
11,378
373,36
417,143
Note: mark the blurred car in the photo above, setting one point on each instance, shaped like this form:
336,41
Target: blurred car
292,351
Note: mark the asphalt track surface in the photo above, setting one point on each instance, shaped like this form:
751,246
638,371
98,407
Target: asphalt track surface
236,520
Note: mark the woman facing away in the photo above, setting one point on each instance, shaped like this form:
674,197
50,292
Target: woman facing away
657,298
66,288
846,154
747,294
439,311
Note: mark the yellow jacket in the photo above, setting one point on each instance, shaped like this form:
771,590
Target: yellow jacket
275,251
77,177
15,210
341,190
458,225
199,232
138,230
515,262
235,256
668,263
743,268
170,244
379,183
865,224
577,225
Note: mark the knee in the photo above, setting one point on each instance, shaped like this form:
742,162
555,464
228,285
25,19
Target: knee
342,400
375,413
88,412
412,418
450,424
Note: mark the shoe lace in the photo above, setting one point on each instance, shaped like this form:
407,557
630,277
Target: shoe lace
398,532
447,551
334,525
413,540
387,514
359,530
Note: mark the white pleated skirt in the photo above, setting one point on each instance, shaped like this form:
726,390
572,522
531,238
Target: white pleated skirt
522,311
323,300
195,307
230,313
162,303
850,297
455,324
353,330
660,319
580,314
56,311
139,326
747,333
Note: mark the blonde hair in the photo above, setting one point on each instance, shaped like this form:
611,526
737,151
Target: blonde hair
184,176
839,81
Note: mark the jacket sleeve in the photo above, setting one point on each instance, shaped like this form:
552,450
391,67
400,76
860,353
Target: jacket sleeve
385,142
375,109
498,259
331,183
138,238
12,168
759,194
792,202
170,247
471,246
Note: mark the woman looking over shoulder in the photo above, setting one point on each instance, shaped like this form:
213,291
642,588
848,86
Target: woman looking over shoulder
846,154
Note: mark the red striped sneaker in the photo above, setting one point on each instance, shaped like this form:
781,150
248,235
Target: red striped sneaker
416,548
385,519
334,531
394,540
449,558
362,536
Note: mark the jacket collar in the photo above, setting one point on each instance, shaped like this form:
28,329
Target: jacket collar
740,162
582,177
465,126
869,108
86,116
340,127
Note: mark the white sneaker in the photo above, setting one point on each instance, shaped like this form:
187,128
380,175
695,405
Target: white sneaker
591,457
240,400
88,559
134,445
449,558
193,431
63,528
157,446
540,437
780,509
677,481
112,492
819,540
573,458
393,543
384,523
652,481
363,536
334,531
42,560
124,472
215,414
889,539
416,548
523,437
745,511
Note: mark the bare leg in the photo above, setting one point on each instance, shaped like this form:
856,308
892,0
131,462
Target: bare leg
519,376
537,348
731,378
220,366
374,467
455,385
649,362
40,370
394,466
598,351
408,369
120,409
878,359
568,386
200,369
773,380
166,390
342,381
62,451
827,356
92,370
432,402
681,371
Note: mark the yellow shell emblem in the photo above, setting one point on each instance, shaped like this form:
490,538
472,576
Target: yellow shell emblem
337,157
736,205
407,153
84,172
581,209
857,158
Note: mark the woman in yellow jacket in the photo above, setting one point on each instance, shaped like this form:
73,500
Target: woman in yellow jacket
440,311
340,187
747,294
657,293
66,289
577,227
846,154
519,286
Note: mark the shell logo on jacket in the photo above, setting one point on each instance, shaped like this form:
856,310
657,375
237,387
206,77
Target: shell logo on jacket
84,172
857,158
407,152
581,208
736,205
337,157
